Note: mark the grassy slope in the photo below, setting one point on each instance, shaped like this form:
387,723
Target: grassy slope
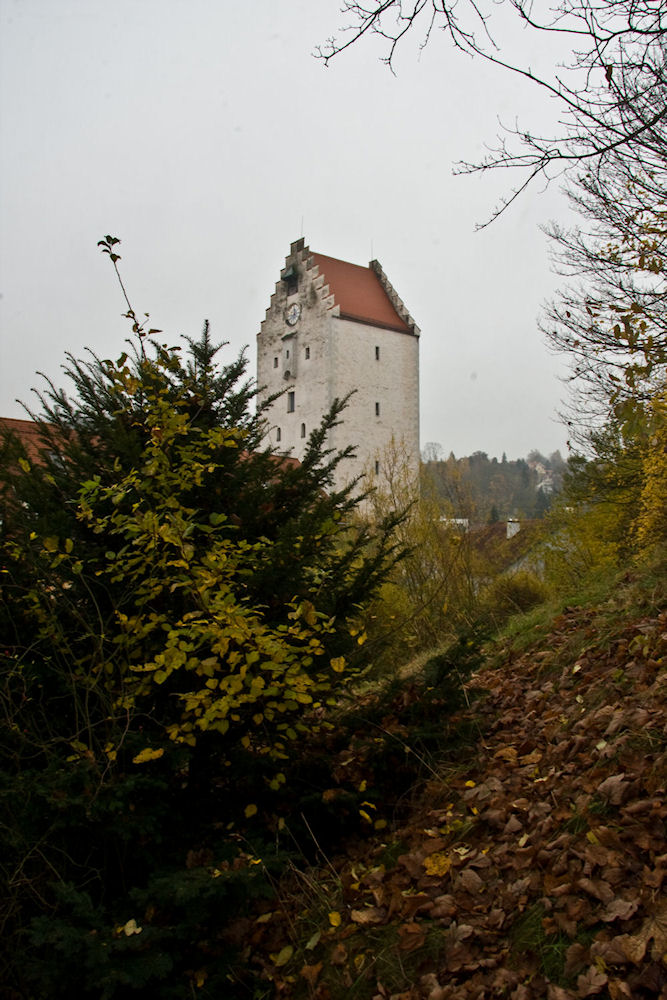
531,864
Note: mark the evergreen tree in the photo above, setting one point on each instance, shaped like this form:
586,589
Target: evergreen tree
179,605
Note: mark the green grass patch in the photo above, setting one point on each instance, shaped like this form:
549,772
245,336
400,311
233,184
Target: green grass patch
528,938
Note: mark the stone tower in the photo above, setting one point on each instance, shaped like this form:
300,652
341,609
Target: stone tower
333,328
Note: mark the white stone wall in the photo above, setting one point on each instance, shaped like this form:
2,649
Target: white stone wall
328,357
388,384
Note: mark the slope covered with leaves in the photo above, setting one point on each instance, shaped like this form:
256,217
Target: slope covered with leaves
533,864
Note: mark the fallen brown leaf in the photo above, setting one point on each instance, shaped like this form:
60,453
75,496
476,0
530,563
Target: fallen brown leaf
411,936
611,952
339,955
619,909
576,957
369,915
496,918
557,993
654,927
591,982
470,881
614,788
311,973
618,990
597,888
513,825
443,906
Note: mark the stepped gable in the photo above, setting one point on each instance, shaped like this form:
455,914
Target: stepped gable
350,291
299,254
363,294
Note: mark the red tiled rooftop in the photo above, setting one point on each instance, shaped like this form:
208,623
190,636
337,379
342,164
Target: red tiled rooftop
27,431
358,292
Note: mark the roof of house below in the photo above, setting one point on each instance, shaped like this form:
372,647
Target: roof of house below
27,431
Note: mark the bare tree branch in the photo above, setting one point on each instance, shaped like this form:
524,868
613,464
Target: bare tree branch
613,69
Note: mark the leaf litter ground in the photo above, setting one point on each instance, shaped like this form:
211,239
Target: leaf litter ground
535,870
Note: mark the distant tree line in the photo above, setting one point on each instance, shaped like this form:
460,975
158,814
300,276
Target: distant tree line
485,489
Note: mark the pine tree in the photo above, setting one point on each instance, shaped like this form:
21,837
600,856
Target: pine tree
179,605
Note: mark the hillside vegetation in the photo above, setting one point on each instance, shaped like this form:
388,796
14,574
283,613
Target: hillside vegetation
530,857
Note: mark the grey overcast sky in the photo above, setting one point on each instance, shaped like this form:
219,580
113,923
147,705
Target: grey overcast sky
205,135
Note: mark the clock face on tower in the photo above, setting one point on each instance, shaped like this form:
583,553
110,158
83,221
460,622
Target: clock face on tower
293,314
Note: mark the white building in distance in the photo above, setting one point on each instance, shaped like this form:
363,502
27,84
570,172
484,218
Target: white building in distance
333,328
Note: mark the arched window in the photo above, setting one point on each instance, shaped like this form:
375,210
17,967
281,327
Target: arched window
303,430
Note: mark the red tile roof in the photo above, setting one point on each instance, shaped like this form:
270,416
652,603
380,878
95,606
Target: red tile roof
29,434
359,293
27,431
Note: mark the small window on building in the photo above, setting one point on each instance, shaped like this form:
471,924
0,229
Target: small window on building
377,468
275,362
290,402
287,353
303,430
377,352
278,434
307,353
377,409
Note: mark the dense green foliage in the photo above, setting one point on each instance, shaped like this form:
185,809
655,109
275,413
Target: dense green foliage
179,606
429,594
